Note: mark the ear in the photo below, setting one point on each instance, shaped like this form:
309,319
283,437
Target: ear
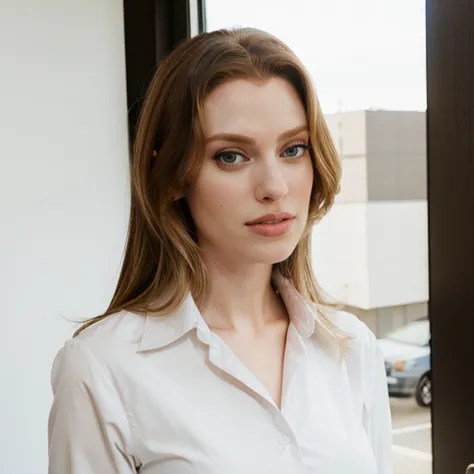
177,197
155,154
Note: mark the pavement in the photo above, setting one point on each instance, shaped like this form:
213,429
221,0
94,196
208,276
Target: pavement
411,437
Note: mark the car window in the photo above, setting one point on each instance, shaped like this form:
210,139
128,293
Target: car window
416,333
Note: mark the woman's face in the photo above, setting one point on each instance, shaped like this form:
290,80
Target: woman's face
250,200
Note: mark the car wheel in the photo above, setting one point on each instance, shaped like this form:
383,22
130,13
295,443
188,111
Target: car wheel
423,393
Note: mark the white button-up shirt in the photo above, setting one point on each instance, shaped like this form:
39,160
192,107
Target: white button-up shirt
165,395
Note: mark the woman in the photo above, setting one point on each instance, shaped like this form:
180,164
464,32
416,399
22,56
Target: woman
217,353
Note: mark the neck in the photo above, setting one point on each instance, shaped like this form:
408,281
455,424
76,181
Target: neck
241,298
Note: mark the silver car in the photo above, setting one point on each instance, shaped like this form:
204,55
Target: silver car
407,357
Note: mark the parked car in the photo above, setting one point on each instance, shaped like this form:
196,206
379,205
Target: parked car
407,361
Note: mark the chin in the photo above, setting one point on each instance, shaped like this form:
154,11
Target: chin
272,253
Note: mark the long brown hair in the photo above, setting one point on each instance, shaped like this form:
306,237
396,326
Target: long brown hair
162,262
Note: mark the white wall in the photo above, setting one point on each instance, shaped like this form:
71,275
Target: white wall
340,254
372,255
398,252
63,197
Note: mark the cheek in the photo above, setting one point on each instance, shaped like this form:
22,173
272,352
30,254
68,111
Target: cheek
302,183
215,195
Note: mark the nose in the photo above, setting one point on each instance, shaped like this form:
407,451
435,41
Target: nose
272,185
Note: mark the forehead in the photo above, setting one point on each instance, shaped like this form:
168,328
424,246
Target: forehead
253,108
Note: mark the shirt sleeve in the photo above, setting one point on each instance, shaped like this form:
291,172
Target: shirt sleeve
88,430
377,416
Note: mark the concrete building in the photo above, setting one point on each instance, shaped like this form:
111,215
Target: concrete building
371,251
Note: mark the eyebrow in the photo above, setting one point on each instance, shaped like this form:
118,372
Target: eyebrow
245,140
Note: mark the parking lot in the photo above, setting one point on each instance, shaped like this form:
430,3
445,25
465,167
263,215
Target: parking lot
411,437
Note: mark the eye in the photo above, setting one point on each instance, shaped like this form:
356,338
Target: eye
295,151
230,158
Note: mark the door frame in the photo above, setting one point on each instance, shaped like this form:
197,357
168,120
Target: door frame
450,151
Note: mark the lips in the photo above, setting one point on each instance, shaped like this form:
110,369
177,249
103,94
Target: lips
272,225
271,219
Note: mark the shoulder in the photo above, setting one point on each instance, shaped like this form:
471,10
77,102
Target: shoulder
121,331
362,358
358,332
361,344
348,322
97,349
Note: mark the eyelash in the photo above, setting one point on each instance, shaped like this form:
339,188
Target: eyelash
218,155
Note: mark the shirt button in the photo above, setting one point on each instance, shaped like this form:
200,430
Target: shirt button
283,440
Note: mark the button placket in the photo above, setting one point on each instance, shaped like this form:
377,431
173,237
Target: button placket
284,434
283,440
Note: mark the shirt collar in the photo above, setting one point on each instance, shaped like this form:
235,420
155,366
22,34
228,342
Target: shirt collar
161,331
302,314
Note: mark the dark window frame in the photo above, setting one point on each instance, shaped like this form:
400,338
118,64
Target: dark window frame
450,151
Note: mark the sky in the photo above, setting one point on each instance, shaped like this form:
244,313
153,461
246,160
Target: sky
361,54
